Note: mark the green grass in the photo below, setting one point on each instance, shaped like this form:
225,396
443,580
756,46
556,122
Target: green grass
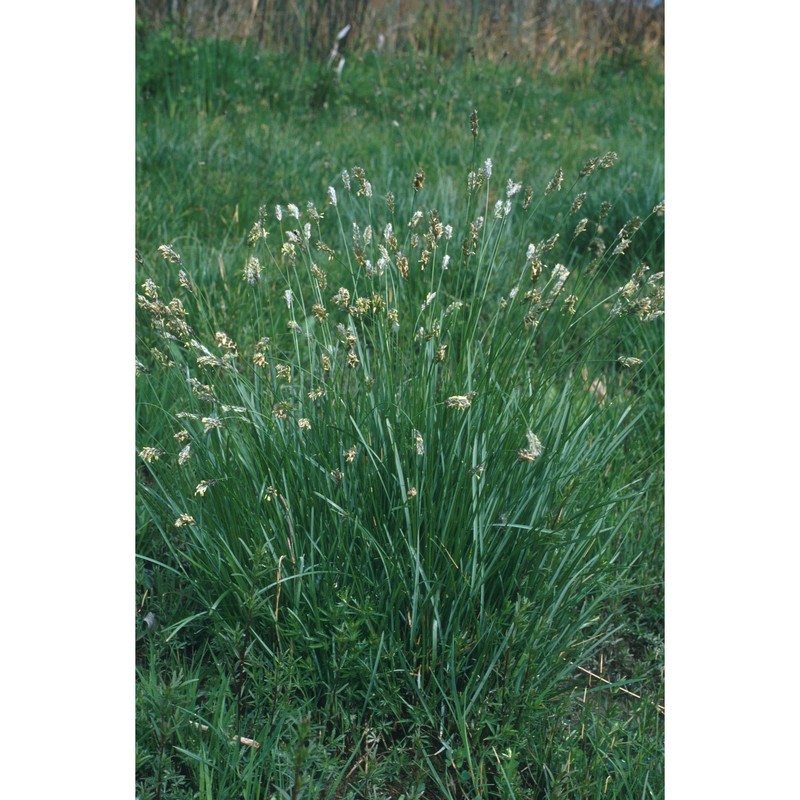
418,510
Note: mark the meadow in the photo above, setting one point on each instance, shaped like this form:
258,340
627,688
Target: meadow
400,411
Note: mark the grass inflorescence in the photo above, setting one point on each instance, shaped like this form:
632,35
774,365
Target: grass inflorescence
399,460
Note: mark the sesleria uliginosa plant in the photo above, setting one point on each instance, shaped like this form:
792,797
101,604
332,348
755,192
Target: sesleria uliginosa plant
388,490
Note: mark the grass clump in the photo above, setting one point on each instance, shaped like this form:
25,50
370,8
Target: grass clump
389,467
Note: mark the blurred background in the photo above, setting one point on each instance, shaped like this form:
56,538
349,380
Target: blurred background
549,33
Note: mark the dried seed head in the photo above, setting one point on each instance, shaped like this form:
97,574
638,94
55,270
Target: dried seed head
474,180
608,160
460,402
185,455
184,519
203,487
361,308
342,297
577,202
202,391
365,187
470,245
176,307
436,229
453,307
257,232
402,265
559,275
419,179
533,450
281,410
580,227
629,361
528,197
512,188
419,443
621,247
319,276
589,167
150,454
183,280
304,424
169,254
150,289
502,209
531,319
473,122
630,228
209,423
555,182
270,493
211,361
428,300
225,342
350,455
252,271
549,244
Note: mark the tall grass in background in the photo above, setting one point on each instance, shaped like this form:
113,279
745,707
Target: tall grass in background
386,482
549,34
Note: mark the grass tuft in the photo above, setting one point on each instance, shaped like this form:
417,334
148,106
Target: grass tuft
399,447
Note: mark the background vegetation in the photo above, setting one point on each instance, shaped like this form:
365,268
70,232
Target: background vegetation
555,34
408,536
